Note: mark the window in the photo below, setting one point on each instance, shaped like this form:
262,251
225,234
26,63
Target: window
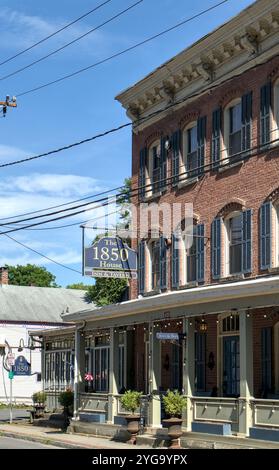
192,150
155,264
200,359
59,370
235,129
154,167
275,116
191,255
266,353
235,244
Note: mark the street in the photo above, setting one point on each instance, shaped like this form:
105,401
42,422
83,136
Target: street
11,443
18,414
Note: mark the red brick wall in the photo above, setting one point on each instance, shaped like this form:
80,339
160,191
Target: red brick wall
252,182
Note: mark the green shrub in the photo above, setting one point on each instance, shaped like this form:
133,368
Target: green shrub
131,400
66,398
39,398
174,403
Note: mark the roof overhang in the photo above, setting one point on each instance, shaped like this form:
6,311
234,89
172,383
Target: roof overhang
263,291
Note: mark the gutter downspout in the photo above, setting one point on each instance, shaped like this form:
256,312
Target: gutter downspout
77,375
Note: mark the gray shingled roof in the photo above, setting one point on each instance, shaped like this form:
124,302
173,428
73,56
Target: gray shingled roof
39,304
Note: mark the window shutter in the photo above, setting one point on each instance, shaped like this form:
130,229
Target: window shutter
265,113
163,164
265,235
163,263
216,248
143,163
215,142
246,117
176,142
175,261
200,252
266,350
201,135
246,240
141,266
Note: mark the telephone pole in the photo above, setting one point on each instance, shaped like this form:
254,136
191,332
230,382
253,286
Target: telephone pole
8,103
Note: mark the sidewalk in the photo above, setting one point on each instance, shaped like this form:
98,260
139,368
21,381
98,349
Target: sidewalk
46,435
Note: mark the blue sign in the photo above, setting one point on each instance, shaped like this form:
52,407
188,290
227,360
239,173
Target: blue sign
170,336
21,366
110,257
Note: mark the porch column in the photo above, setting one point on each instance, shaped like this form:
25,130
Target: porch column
189,368
79,368
246,371
113,374
155,377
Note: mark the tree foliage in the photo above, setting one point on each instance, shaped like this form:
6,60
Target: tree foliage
78,286
107,291
31,274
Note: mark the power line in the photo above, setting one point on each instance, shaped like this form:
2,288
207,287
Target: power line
241,156
124,51
42,255
71,42
55,32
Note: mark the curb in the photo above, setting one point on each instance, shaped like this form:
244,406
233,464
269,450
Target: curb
42,440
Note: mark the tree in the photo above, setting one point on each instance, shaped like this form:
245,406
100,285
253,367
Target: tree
107,291
31,275
78,286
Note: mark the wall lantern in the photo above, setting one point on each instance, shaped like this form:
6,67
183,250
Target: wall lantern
202,326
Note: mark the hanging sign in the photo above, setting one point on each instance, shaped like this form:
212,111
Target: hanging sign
110,257
170,336
21,366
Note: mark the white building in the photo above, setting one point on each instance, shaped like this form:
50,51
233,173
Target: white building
24,308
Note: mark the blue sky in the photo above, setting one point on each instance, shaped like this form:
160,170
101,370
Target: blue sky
78,108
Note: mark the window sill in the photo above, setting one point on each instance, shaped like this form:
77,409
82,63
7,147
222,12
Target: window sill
232,277
227,166
189,285
152,196
187,182
273,270
152,292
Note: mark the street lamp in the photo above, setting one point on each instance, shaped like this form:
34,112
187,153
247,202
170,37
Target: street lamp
21,345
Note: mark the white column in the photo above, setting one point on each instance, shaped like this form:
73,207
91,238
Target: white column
113,374
155,378
79,368
189,368
246,371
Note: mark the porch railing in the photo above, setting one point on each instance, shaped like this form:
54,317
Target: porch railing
265,412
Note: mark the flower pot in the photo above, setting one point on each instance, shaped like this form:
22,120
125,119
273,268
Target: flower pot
133,427
39,410
174,426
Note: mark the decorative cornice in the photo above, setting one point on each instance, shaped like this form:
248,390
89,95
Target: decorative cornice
227,50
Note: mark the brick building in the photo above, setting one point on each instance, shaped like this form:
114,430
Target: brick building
205,133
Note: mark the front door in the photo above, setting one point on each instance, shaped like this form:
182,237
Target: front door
231,366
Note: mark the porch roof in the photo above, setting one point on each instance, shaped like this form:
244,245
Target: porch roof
259,292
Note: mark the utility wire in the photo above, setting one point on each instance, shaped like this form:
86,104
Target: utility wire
239,157
42,255
71,42
124,51
55,32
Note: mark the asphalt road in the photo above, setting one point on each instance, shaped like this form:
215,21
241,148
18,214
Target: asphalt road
11,443
18,415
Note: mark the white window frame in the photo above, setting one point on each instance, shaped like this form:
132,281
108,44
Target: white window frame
274,127
183,167
149,167
227,272
148,270
226,136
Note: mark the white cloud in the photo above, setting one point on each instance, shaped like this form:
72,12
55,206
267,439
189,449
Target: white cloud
8,152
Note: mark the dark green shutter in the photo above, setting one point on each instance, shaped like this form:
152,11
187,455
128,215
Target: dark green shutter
265,235
246,117
201,135
142,179
265,113
141,266
175,262
176,142
163,164
200,252
266,353
246,241
216,248
216,137
163,263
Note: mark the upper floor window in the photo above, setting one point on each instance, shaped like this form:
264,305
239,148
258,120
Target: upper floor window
191,259
192,150
275,115
155,264
152,265
235,129
235,243
154,167
194,140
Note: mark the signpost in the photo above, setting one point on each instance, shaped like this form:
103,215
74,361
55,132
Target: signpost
110,257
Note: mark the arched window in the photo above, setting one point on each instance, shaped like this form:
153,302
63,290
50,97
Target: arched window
153,168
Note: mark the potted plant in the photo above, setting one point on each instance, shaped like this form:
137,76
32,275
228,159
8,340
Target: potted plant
39,403
130,401
66,399
174,403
